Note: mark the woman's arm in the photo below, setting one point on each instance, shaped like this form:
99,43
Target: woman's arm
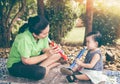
37,59
34,60
94,60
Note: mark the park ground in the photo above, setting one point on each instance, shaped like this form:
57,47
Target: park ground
72,46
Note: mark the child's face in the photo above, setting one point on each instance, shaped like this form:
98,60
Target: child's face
91,43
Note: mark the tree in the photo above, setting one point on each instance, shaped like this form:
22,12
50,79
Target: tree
107,21
10,10
40,5
60,16
89,17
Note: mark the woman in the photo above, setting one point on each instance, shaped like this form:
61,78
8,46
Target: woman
25,58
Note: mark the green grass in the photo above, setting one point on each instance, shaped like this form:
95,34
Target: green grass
118,41
76,35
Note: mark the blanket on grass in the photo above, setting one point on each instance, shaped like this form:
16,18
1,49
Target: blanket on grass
54,77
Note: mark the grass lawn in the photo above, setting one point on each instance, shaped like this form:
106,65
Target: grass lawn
76,35
118,41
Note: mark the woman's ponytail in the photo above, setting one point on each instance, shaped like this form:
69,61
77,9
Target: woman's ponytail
23,28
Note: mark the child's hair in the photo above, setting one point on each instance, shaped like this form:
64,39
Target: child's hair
96,36
35,25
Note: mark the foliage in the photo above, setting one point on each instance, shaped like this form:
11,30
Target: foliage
60,16
7,7
107,22
10,10
11,18
30,10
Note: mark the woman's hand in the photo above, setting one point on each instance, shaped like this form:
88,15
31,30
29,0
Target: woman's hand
52,51
49,52
56,49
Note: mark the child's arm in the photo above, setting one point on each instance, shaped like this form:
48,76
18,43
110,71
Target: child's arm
94,60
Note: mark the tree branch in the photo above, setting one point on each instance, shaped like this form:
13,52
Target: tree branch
20,12
8,15
40,5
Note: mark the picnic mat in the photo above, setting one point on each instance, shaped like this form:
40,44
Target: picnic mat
54,77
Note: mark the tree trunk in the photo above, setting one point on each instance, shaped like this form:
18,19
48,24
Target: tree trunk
40,5
118,32
6,24
89,17
1,34
3,29
1,24
4,36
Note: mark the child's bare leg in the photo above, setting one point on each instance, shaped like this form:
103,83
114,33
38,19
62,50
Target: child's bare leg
50,60
75,68
68,71
82,77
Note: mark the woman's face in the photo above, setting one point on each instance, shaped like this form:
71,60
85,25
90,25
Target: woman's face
91,43
43,34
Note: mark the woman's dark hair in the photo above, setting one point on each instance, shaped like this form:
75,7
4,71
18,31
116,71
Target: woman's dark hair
96,36
35,25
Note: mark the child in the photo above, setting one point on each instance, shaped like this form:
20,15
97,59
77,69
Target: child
91,68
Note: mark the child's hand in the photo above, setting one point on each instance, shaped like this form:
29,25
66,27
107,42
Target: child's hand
79,62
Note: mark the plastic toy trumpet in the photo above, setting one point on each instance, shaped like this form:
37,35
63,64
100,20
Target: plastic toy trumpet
60,52
78,57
